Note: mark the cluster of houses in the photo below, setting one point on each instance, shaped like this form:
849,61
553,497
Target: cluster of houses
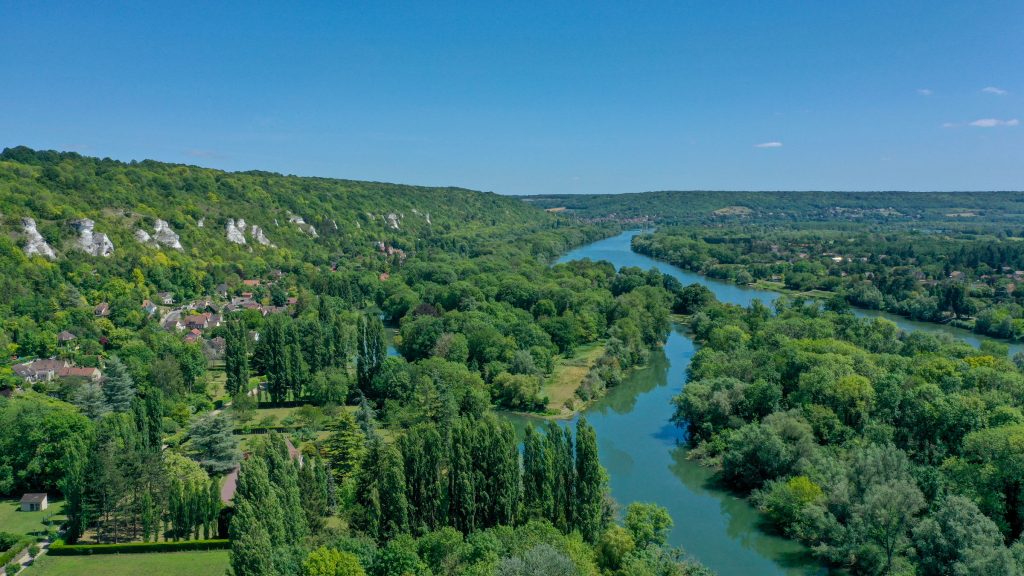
199,316
47,369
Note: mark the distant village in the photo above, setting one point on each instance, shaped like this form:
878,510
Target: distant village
193,320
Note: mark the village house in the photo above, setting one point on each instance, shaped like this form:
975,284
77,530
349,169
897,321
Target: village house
166,298
90,374
65,337
222,290
39,370
173,323
148,307
102,310
44,370
34,502
193,336
196,321
251,283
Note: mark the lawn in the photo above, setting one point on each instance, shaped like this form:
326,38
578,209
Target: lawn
206,563
12,519
568,375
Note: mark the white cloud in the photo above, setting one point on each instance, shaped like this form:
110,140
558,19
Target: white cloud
994,90
949,124
924,91
772,144
994,122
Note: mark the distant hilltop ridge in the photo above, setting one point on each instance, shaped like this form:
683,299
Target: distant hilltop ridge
55,205
701,206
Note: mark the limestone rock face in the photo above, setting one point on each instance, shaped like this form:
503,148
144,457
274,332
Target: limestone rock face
142,236
163,234
392,219
92,242
236,231
35,244
257,234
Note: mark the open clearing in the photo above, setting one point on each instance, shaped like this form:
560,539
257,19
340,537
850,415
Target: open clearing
568,375
12,519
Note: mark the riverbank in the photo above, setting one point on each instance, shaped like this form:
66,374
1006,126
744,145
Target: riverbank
647,460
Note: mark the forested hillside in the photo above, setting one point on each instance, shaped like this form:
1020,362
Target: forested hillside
968,210
307,371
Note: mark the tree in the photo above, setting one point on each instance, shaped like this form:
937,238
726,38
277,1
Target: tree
648,523
590,483
214,444
955,535
118,386
371,350
380,492
345,447
325,561
538,476
251,545
887,515
315,495
90,399
236,356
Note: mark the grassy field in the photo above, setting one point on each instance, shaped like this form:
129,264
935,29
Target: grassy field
207,563
12,519
568,375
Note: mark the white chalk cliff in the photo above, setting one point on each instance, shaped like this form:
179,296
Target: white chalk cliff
35,244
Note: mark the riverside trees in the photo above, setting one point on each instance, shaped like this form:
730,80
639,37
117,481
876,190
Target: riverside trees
863,442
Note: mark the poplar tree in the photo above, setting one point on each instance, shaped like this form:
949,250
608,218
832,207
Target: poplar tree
423,454
313,492
380,492
236,356
590,483
371,350
251,543
538,477
461,478
273,357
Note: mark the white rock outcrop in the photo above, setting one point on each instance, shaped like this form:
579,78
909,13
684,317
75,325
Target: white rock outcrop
143,237
92,242
257,234
236,231
393,220
35,244
163,234
201,223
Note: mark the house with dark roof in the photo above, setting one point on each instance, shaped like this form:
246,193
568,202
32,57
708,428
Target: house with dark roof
167,298
65,337
102,310
34,502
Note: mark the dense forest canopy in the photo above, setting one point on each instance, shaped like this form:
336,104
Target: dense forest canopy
310,368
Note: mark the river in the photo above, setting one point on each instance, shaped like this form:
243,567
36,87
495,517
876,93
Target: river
646,461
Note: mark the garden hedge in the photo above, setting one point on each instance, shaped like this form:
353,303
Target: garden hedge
59,548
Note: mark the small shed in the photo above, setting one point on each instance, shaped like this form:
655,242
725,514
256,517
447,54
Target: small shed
34,502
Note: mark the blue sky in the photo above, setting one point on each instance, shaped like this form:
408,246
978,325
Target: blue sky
531,97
